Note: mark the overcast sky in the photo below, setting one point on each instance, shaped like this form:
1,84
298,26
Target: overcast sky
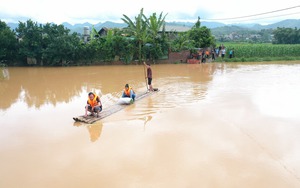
95,11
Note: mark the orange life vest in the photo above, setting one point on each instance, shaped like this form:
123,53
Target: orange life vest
94,101
127,92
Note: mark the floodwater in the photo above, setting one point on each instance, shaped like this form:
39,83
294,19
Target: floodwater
211,125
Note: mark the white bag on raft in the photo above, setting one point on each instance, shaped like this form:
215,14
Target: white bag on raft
125,100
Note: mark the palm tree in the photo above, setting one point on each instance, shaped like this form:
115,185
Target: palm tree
138,29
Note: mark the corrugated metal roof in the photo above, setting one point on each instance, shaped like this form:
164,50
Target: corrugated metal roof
177,28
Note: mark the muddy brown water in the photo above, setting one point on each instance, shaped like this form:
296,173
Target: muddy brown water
212,125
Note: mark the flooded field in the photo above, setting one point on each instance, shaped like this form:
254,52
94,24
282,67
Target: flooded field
211,125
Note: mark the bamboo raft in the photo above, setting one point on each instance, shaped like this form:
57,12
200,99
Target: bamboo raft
110,110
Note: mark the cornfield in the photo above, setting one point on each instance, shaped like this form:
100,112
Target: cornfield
263,50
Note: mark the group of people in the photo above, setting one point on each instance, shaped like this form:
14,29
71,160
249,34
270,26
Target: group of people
94,105
203,54
221,52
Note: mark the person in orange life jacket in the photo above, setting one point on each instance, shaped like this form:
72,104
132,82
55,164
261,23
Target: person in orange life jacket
128,92
149,75
94,104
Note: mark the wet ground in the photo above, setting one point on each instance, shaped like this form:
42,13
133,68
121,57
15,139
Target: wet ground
210,125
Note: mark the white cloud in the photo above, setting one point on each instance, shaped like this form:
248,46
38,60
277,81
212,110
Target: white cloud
95,11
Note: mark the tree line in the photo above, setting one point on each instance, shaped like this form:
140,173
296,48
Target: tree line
286,36
33,44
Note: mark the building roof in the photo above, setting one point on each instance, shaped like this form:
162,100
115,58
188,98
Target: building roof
176,28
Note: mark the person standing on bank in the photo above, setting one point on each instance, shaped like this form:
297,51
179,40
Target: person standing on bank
149,75
93,105
223,52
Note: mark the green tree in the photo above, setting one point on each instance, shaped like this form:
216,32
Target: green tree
182,42
8,44
154,24
94,33
265,35
107,47
123,47
201,36
30,35
164,41
286,36
48,44
62,50
89,51
138,29
197,24
59,47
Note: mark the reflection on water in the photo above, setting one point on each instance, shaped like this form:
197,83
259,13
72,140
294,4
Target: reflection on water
63,91
147,119
4,75
210,125
94,129
42,86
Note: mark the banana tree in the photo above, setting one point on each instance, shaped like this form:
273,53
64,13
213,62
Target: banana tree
155,24
138,29
94,33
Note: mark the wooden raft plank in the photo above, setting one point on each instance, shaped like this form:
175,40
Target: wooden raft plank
110,110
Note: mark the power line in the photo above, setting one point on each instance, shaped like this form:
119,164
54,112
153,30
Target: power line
233,18
271,16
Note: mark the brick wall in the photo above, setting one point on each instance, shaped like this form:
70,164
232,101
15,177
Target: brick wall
174,57
178,56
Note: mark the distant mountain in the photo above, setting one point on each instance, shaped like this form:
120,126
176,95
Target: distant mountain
112,25
191,24
248,25
226,30
212,25
257,27
290,23
251,28
67,25
184,26
12,26
79,27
